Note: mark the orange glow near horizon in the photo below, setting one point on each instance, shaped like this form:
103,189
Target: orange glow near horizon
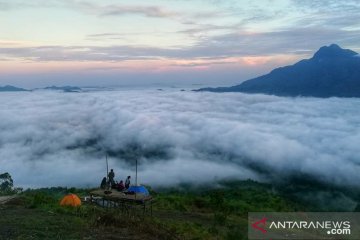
162,65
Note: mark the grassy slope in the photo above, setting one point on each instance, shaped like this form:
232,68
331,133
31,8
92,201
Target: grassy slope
218,213
190,213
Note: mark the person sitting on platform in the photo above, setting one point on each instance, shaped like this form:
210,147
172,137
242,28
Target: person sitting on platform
121,186
103,183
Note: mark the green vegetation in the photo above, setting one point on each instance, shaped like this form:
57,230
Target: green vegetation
36,214
217,213
192,213
178,213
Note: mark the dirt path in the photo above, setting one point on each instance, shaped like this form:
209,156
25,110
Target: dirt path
4,199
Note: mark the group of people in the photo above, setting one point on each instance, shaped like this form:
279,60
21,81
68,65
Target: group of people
111,183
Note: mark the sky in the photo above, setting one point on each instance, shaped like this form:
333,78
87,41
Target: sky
174,42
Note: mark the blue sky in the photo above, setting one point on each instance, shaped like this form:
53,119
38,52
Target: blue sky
210,42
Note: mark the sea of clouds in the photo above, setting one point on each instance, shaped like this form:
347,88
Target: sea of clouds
61,139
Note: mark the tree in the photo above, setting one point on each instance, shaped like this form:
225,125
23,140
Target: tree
6,183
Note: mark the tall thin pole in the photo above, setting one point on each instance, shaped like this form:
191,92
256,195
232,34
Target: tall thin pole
136,173
107,166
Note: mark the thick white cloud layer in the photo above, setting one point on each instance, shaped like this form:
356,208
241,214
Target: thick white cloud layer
53,138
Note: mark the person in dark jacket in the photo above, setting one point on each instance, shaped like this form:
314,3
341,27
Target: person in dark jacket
127,182
111,177
103,183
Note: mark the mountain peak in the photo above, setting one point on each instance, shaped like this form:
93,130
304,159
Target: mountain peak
332,71
9,88
333,51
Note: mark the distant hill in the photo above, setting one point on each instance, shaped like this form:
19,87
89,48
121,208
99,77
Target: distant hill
9,88
332,71
64,88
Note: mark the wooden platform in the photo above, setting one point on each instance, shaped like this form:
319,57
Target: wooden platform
122,200
121,196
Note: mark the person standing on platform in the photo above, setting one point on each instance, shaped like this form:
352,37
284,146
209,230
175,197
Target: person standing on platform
127,182
111,177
